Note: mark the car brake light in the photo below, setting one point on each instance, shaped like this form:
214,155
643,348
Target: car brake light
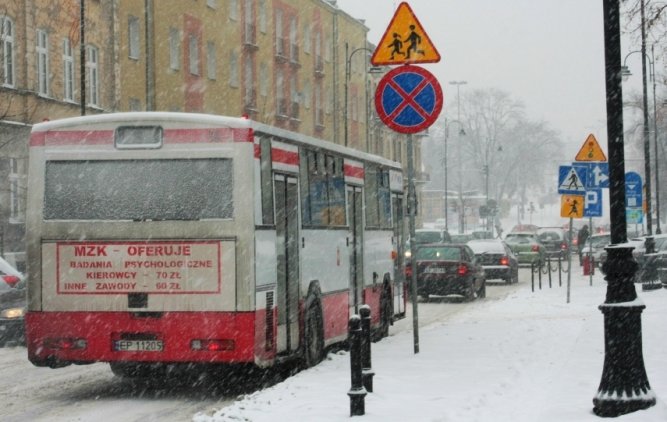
462,270
563,245
535,248
12,280
504,261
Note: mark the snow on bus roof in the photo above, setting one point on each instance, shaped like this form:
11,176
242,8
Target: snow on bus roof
111,119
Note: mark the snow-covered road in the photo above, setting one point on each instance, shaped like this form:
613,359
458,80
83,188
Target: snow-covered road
92,392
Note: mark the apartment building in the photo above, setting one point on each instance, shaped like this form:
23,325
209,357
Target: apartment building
301,65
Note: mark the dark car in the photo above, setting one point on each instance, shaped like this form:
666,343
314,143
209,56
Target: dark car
12,305
555,240
497,259
448,269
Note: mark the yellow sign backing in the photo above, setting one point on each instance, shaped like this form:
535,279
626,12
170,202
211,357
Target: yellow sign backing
405,41
590,151
572,206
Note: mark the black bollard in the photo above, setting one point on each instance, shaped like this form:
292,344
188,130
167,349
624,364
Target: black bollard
539,274
357,392
532,276
366,369
549,268
560,270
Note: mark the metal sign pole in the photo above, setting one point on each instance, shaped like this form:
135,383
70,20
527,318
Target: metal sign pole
569,265
413,260
591,263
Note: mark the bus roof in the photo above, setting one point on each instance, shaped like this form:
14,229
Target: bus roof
110,120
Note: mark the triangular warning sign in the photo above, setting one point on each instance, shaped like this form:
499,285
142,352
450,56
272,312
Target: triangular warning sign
405,41
590,151
572,182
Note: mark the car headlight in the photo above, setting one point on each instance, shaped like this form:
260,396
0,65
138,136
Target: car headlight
12,313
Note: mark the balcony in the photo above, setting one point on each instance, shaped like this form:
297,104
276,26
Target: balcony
250,100
319,119
294,55
281,108
319,67
250,37
281,50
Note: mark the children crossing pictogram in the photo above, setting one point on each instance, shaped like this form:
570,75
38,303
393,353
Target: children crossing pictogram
404,41
572,206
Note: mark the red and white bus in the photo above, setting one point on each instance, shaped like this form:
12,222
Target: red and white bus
188,238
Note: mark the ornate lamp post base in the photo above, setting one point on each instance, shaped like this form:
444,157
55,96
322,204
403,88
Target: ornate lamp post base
624,386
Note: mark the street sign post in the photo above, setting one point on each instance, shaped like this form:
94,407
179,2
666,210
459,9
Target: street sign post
404,41
408,99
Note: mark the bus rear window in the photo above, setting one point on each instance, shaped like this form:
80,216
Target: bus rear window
180,189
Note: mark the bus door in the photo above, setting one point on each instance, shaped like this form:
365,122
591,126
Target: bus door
355,245
399,246
287,249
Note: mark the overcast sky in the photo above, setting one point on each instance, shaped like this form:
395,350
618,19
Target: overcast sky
547,53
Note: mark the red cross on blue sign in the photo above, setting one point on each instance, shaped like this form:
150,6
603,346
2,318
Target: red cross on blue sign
408,99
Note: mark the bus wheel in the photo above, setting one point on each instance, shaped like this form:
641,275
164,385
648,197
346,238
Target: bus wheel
313,336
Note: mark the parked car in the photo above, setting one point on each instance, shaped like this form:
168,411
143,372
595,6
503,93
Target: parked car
524,228
527,248
637,245
448,269
556,241
497,259
13,303
595,247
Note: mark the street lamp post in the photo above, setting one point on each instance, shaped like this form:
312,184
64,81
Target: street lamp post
461,133
348,74
624,385
458,116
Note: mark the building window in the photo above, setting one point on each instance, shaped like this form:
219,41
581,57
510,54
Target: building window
174,49
68,70
280,42
263,80
234,10
14,192
281,104
262,16
42,62
249,83
233,69
135,104
7,38
307,42
193,54
133,37
211,60
92,70
293,46
307,95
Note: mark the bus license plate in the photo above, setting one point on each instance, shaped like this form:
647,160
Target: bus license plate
138,345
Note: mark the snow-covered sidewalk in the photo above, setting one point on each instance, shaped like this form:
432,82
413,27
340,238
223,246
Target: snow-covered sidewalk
527,357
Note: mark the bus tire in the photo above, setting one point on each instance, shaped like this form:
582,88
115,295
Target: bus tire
313,350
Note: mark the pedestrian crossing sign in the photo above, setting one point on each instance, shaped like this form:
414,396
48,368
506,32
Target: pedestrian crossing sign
590,151
572,206
405,41
572,180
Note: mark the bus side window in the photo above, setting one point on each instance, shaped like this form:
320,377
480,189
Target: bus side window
266,184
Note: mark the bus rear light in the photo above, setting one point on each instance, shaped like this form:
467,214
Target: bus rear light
213,345
65,343
504,260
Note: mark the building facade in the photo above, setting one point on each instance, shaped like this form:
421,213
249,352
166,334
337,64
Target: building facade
301,65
